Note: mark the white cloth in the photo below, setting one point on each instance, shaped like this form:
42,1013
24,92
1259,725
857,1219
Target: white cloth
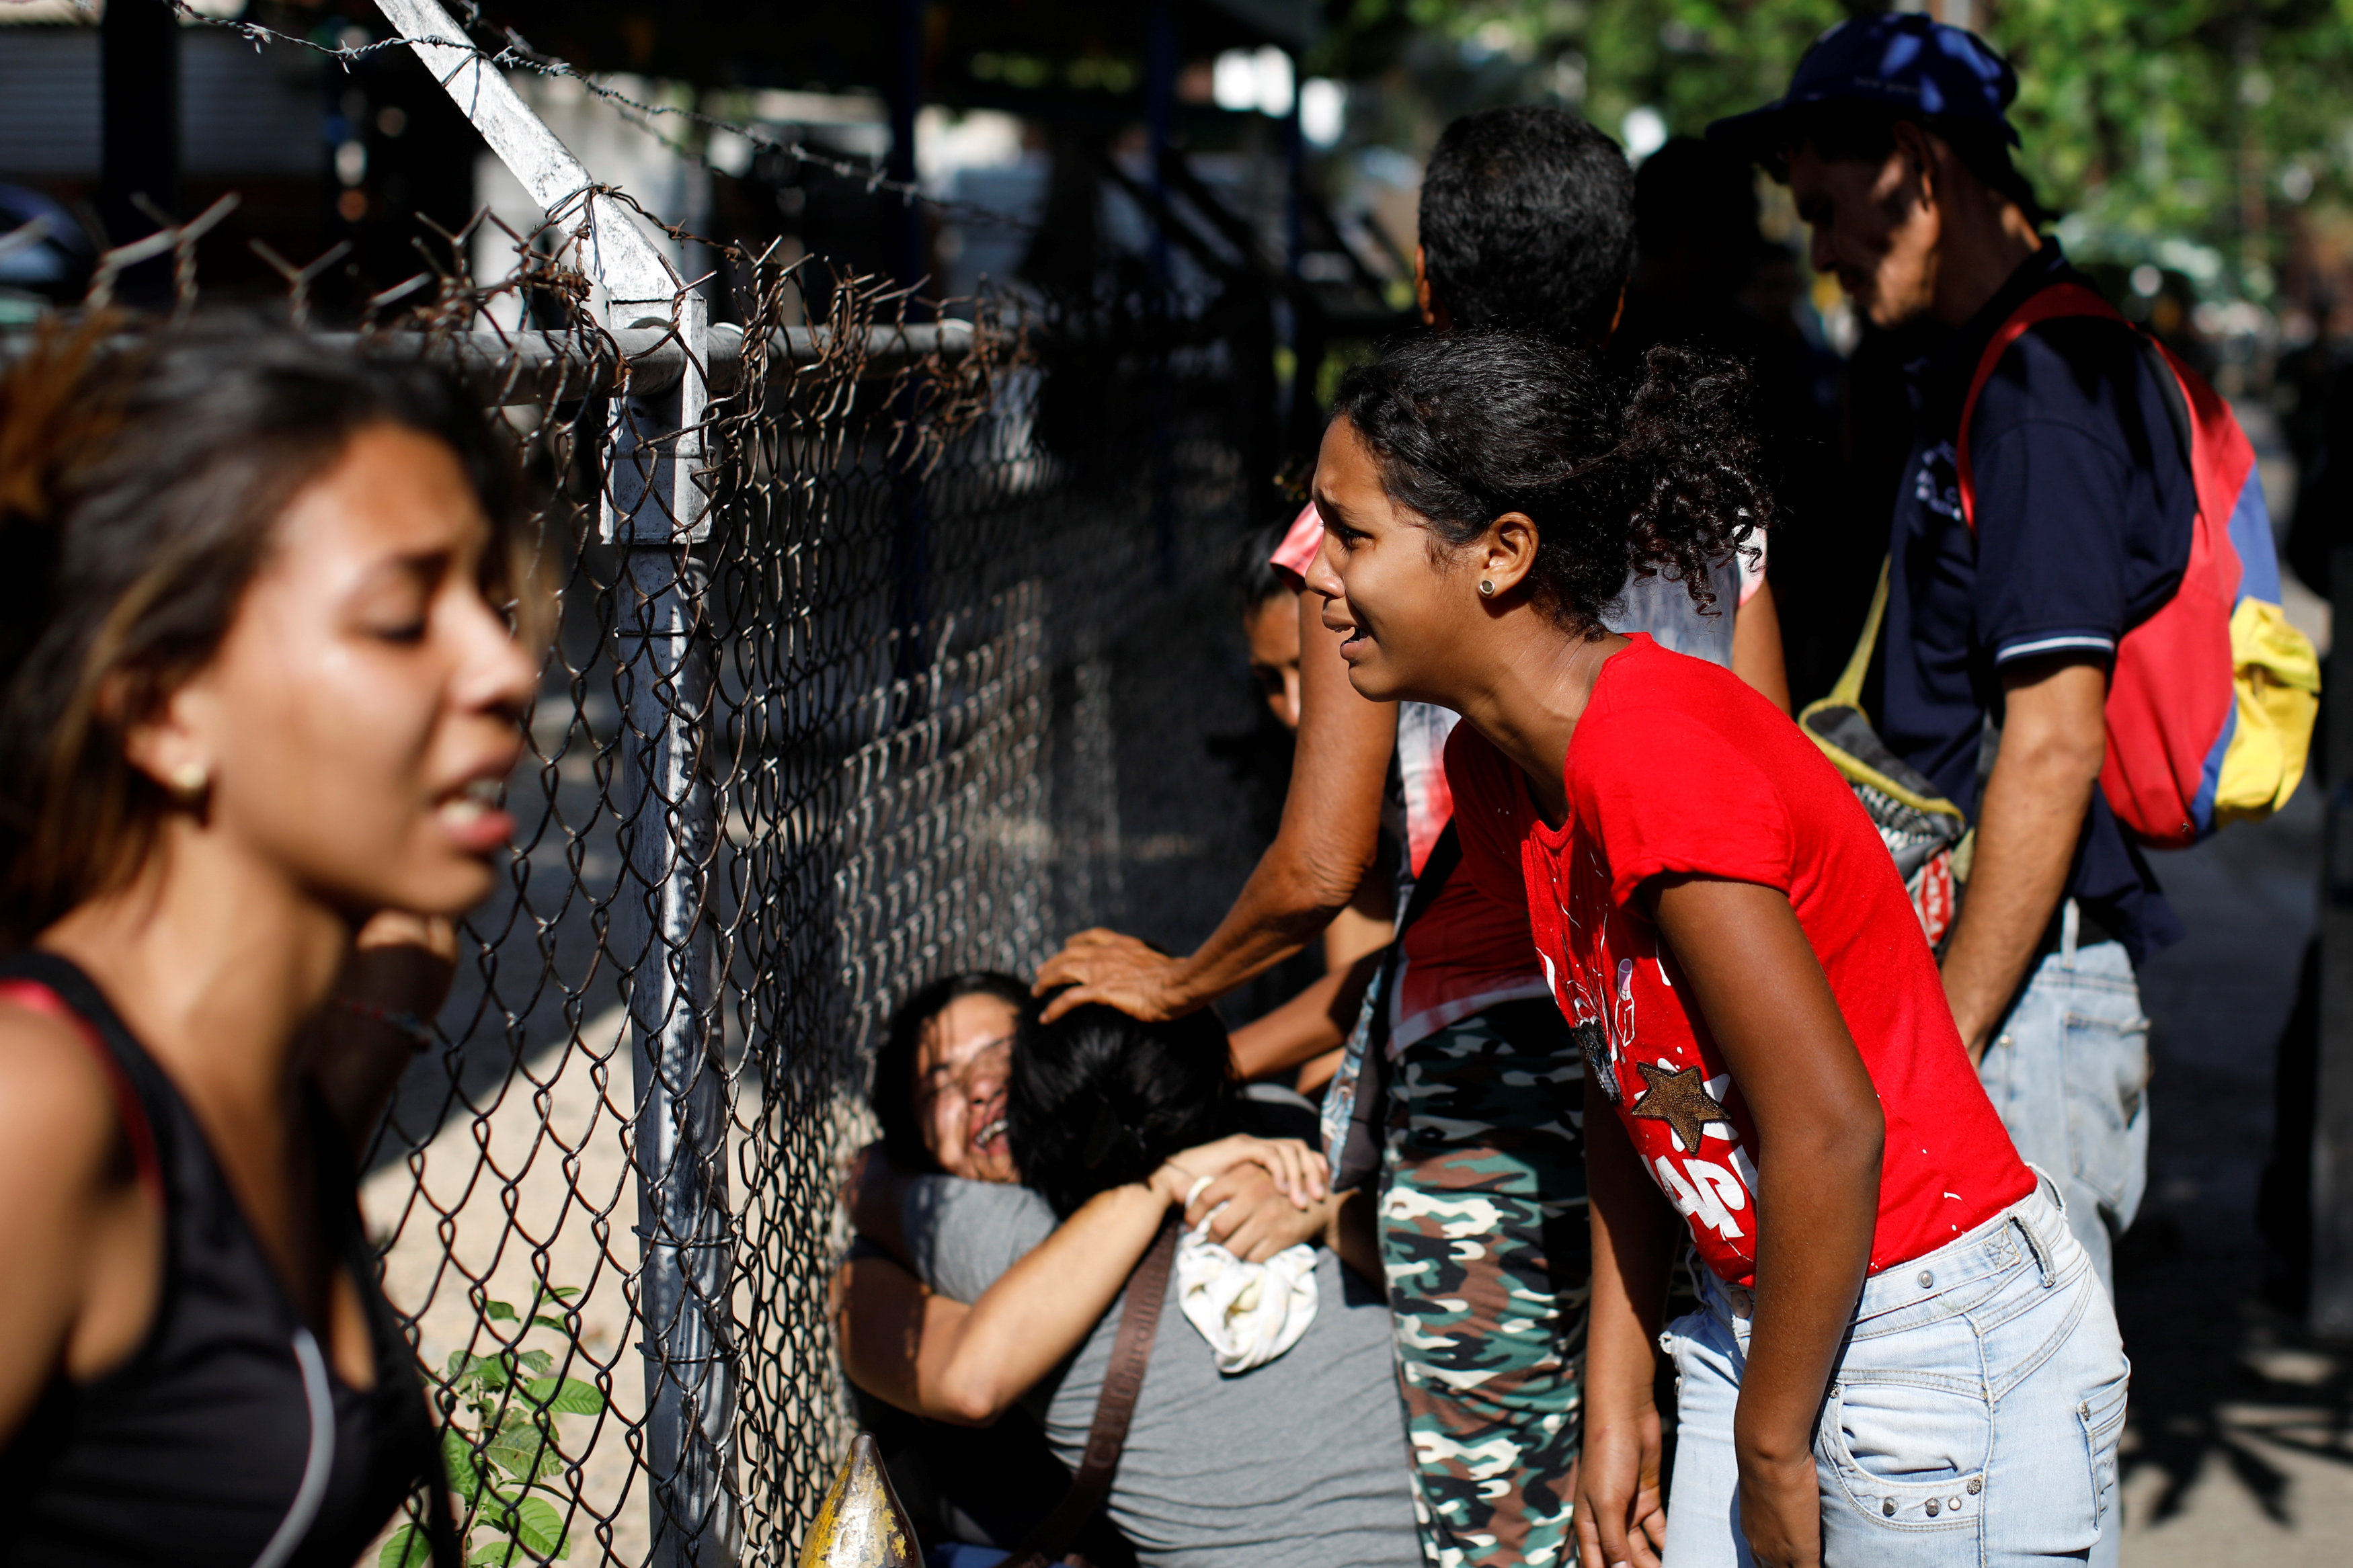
1250,1313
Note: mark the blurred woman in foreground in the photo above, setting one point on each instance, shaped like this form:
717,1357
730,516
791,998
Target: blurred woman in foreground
259,682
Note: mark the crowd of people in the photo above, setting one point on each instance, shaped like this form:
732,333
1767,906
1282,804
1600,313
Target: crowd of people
1848,994
1837,1007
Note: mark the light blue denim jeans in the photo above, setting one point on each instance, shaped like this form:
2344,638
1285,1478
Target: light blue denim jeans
2068,1074
1971,1423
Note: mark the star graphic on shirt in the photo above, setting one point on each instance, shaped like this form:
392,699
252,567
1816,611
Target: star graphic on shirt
1679,1099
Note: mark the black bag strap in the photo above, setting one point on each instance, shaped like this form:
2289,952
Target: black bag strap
1444,856
1148,1287
1357,1160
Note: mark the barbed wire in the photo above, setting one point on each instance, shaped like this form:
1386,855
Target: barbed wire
519,53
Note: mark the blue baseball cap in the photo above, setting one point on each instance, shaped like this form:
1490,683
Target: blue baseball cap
1900,60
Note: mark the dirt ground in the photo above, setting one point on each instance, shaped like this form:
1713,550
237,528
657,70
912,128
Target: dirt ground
2241,1444
562,1173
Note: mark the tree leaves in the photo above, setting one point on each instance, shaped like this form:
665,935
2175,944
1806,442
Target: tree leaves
2212,122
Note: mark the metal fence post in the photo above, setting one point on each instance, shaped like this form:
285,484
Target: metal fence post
654,509
669,836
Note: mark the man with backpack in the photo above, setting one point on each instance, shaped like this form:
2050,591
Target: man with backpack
2043,600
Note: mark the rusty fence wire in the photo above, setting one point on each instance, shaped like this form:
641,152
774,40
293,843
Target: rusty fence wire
878,711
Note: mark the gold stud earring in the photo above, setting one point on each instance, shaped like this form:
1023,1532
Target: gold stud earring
1487,587
188,780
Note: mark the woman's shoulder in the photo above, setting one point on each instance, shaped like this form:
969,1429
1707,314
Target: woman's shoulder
962,1236
58,1124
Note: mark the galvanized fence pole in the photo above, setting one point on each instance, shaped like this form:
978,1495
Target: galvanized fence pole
654,509
669,836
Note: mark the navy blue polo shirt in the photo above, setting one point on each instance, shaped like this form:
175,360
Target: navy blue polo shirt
2085,506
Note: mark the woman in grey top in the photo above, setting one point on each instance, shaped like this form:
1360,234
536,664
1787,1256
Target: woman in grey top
1004,1294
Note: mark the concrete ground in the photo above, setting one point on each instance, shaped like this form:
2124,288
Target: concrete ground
2241,1443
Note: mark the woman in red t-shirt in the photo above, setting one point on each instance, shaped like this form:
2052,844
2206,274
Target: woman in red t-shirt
1902,1354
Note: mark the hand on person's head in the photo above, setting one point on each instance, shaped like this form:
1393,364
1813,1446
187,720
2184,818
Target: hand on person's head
1249,1216
1117,971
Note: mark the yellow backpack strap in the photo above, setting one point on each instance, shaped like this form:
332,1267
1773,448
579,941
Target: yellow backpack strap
1848,692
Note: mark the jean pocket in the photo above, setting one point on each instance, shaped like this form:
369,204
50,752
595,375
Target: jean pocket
1904,1456
2104,1063
2102,1415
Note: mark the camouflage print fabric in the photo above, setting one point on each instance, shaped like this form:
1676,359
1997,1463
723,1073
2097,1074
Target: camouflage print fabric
1482,1232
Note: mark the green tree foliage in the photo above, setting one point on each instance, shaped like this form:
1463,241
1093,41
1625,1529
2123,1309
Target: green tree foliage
2208,120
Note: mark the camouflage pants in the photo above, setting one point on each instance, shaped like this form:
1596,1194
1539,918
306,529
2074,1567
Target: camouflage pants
1482,1232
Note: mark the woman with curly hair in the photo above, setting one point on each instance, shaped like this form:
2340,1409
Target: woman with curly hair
1902,1354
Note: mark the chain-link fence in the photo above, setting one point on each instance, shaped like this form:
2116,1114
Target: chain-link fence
916,674
886,644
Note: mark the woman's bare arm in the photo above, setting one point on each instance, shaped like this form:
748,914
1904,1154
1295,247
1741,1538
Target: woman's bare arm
1368,922
1619,1516
1331,827
1316,1021
82,1239
968,1365
1769,1009
1756,655
883,1318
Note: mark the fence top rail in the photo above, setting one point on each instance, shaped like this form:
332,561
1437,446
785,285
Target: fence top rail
527,365
506,368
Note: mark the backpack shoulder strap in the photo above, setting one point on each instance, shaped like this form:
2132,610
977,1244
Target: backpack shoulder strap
1848,692
2058,301
1139,1321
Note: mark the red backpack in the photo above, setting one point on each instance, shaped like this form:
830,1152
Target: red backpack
2211,699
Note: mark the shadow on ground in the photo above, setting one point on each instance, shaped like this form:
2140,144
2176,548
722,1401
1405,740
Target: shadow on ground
2238,1419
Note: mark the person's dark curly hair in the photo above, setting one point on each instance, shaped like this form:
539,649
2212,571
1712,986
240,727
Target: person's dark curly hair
1469,427
892,1095
1527,220
1097,1098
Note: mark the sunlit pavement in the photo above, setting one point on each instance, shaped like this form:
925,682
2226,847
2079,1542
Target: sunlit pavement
2241,1444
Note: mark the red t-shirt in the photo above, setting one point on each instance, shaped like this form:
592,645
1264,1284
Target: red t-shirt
1469,950
1678,766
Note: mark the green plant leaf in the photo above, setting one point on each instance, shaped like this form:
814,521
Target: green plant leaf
498,1554
488,1371
538,1361
564,1292
565,1396
525,1452
499,1313
409,1547
558,1325
467,1470
539,1527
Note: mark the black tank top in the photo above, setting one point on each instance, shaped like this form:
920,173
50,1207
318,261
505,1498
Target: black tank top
227,1437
